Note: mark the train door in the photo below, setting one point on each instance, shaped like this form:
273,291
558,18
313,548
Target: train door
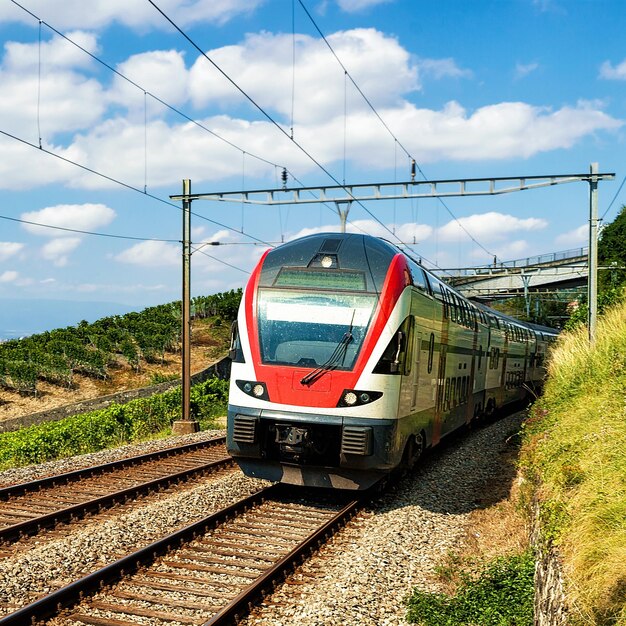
440,404
415,372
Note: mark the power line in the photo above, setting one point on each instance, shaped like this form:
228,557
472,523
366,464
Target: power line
382,121
197,249
266,114
614,198
166,105
140,88
121,183
87,232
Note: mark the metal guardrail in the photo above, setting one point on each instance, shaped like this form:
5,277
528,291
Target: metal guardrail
533,261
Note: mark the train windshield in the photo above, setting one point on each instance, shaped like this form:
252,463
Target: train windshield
303,328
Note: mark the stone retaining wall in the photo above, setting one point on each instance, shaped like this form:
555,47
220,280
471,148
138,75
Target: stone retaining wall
220,368
550,599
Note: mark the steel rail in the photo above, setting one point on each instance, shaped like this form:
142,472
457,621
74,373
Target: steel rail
80,474
235,609
71,594
108,500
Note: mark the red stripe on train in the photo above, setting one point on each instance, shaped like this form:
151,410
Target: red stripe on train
283,382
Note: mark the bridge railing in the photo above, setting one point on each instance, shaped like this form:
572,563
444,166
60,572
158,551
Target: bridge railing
542,259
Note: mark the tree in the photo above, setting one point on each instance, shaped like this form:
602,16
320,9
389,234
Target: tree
612,252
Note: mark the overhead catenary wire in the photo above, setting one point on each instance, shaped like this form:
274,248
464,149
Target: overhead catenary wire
123,184
382,121
163,103
267,116
85,232
614,198
139,87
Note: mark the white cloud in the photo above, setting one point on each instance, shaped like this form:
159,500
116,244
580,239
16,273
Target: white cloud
151,254
58,250
259,66
161,72
352,6
9,276
76,216
574,238
140,16
57,53
486,227
610,72
406,233
55,99
443,68
9,249
522,70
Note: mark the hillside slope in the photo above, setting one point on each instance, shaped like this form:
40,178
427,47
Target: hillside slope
575,457
209,341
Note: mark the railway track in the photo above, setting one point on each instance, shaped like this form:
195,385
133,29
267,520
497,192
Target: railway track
27,508
207,573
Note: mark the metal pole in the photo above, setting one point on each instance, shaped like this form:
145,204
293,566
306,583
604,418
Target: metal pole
186,425
592,293
343,214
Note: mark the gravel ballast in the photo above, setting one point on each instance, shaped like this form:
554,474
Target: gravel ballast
364,574
361,577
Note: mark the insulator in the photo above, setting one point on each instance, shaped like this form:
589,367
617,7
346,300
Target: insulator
412,169
284,177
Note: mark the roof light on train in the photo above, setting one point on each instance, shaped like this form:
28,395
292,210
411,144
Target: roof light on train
327,261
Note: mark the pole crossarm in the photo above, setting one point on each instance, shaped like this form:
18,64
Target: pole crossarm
397,190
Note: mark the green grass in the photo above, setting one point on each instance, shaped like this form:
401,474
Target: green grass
501,595
575,456
137,420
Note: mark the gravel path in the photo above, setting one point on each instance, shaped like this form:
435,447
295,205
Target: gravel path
361,576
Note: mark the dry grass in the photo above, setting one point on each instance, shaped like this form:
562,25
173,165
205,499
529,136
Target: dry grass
577,449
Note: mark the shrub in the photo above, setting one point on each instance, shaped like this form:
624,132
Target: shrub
115,425
502,595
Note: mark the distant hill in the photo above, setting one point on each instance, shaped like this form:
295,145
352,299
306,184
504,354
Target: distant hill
20,318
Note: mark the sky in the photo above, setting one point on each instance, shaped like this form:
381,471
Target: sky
107,105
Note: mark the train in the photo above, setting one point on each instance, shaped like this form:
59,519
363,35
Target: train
350,359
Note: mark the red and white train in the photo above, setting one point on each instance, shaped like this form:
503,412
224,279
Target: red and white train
349,359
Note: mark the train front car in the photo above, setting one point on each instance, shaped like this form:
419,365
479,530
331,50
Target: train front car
305,407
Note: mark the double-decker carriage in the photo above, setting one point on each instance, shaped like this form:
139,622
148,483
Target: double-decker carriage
349,359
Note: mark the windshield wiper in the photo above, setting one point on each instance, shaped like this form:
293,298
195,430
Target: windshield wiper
337,357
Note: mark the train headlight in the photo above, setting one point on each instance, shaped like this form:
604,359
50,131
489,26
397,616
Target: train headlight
253,388
352,397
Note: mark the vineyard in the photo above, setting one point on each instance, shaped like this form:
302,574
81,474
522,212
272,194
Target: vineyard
92,349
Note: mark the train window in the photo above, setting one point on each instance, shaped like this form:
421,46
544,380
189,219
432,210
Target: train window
408,329
398,353
454,400
307,329
419,276
480,356
431,352
235,351
446,402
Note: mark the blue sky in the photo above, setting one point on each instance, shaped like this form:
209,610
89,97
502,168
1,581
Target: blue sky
480,89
